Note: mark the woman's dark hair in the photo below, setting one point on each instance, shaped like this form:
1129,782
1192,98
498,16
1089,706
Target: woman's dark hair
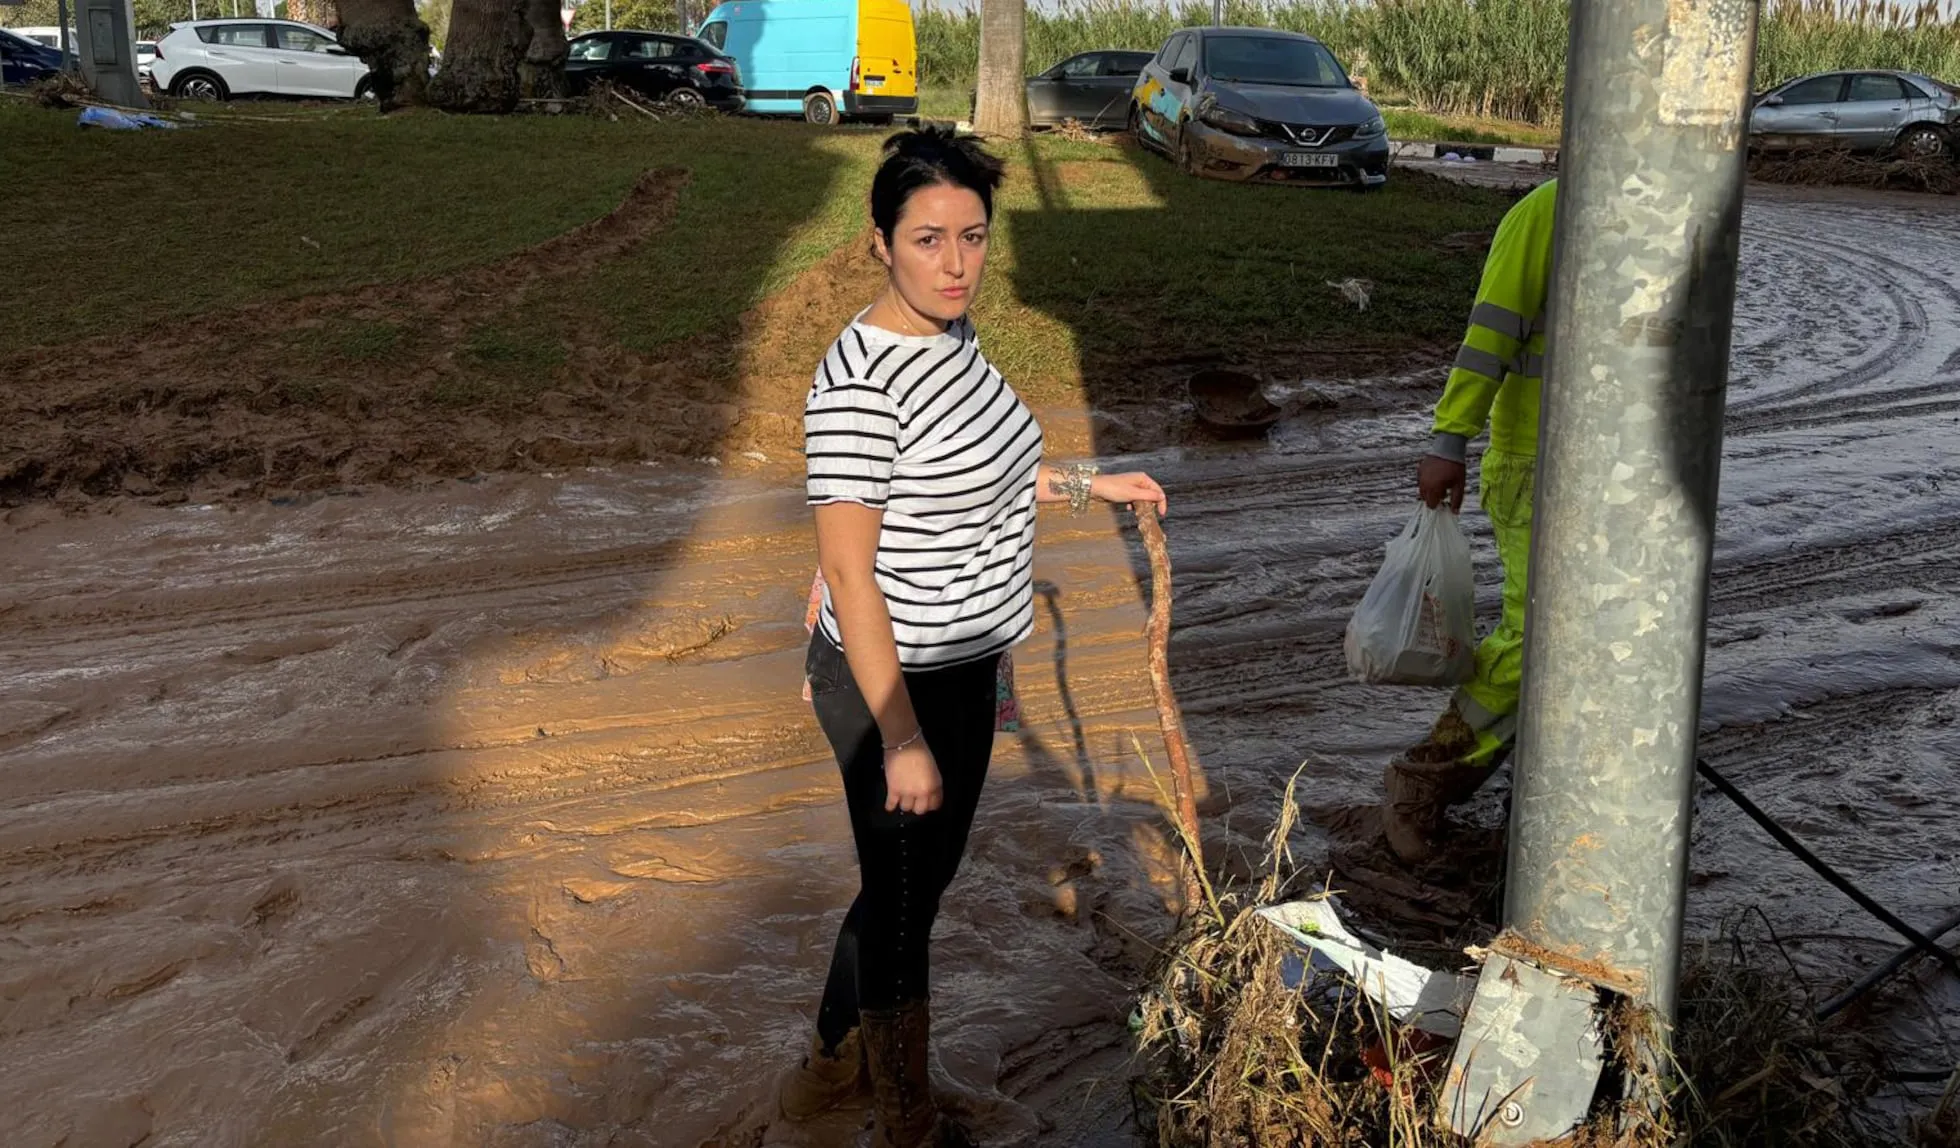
926,157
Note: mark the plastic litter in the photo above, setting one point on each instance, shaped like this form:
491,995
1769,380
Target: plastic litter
1416,625
1355,291
119,121
1429,1000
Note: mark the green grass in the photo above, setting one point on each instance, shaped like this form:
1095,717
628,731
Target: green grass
263,204
352,340
1484,58
945,102
1113,258
1409,124
1102,252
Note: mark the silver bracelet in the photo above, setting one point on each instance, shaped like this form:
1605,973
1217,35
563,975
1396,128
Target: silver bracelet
916,735
1076,479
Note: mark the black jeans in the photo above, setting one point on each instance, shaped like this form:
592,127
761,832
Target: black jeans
905,860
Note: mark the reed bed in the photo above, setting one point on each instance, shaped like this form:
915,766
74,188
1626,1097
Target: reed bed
1494,58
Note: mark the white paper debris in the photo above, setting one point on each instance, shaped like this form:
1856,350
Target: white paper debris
1432,1001
1355,291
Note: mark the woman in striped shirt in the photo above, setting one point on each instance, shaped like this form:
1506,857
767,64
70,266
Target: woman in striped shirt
924,471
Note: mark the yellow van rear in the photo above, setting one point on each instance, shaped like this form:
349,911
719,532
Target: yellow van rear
886,80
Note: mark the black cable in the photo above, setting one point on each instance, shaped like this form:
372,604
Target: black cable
1884,969
1920,941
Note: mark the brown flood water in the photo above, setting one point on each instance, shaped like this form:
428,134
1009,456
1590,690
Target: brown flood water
488,813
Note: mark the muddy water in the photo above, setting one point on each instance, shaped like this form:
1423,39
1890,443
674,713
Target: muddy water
488,813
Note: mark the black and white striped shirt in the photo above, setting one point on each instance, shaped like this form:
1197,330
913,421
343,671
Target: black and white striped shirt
926,429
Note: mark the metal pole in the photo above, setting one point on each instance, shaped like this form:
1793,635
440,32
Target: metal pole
1643,295
1218,13
68,60
608,15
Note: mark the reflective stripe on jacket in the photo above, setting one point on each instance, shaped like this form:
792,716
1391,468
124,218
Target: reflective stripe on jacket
1498,371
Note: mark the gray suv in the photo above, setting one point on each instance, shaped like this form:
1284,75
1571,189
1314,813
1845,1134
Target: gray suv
1258,104
1858,111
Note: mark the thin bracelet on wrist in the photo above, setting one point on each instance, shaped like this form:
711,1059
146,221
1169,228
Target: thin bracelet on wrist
916,734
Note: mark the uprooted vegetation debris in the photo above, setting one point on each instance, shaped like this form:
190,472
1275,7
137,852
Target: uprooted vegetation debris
1240,1049
1939,175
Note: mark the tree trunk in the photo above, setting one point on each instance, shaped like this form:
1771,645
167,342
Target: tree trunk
487,41
319,13
542,76
393,43
1001,104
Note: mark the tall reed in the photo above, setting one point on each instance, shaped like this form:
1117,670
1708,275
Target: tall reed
1501,58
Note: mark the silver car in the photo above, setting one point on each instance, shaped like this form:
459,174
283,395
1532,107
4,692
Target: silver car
1858,111
1091,88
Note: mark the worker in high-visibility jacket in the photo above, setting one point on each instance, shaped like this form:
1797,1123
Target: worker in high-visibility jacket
1496,380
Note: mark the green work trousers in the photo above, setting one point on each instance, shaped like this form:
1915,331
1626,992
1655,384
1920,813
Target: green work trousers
1489,701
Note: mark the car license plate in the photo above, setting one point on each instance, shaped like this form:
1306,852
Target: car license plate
1309,159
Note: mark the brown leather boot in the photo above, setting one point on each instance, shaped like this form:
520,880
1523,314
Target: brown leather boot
1425,781
904,1113
806,1090
821,1080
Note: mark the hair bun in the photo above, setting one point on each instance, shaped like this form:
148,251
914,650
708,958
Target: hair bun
929,140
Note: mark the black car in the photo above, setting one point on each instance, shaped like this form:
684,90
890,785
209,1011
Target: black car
22,61
1091,88
1259,104
678,69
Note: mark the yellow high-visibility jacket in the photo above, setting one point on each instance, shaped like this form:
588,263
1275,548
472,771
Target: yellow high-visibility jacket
1500,367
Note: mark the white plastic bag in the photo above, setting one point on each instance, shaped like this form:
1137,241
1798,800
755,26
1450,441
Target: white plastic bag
1416,625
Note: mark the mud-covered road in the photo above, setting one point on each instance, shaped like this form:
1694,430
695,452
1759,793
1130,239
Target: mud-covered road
488,814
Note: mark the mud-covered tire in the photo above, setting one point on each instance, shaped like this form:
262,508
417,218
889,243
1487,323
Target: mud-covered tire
820,108
200,85
1923,142
365,89
687,98
1187,160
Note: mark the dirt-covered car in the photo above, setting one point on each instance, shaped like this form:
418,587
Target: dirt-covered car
1259,104
1858,111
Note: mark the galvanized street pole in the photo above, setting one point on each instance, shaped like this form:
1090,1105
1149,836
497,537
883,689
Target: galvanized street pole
1630,446
1649,215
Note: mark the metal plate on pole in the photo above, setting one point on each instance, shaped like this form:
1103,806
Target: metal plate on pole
1530,1057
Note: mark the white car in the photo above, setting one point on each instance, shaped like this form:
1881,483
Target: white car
218,59
48,36
146,54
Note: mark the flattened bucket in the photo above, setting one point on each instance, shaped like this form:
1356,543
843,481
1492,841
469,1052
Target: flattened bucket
1231,403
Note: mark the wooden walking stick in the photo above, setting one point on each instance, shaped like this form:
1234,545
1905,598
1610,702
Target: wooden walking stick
1159,632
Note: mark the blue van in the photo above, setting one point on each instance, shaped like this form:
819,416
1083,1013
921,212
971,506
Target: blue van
824,60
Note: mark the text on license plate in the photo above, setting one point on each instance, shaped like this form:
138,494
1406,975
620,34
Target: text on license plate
1309,159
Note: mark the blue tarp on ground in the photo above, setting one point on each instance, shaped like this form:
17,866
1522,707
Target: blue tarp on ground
122,121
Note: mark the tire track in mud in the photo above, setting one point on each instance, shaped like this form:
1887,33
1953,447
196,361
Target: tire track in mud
1923,303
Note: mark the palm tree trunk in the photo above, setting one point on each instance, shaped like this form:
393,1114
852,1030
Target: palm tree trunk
487,42
319,13
1001,105
394,43
543,73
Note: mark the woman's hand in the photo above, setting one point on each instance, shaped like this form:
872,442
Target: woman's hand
912,779
1124,489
